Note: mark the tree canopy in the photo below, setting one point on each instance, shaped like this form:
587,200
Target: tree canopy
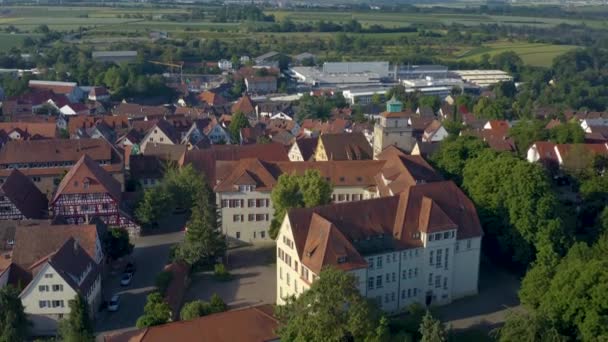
14,324
156,311
116,243
431,329
238,121
292,191
77,327
331,310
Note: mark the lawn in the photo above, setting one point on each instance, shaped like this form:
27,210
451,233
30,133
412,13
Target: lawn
9,41
535,54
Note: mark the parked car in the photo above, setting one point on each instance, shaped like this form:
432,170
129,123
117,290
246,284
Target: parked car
126,278
130,268
114,303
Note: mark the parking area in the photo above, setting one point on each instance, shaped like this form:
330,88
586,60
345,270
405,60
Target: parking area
150,256
253,270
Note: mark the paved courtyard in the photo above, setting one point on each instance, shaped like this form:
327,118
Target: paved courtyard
253,282
486,311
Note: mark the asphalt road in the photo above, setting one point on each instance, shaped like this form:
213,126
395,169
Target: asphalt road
150,255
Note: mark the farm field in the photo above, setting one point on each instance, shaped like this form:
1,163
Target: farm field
531,53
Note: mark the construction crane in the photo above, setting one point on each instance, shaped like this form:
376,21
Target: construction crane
173,65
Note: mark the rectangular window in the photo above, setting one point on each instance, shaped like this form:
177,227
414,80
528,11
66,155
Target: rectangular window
446,235
416,272
392,296
409,293
43,288
469,244
287,276
447,253
379,262
402,294
43,303
457,246
260,217
379,282
405,255
431,258
251,203
386,298
394,257
57,288
57,303
438,281
394,277
280,273
409,272
370,283
388,259
415,292
48,275
236,218
238,235
438,236
370,263
430,279
251,217
263,234
341,198
430,237
438,262
445,283
388,278
404,275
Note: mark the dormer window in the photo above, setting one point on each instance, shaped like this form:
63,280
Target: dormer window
416,235
246,188
341,259
85,184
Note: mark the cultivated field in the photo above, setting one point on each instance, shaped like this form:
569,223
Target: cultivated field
531,53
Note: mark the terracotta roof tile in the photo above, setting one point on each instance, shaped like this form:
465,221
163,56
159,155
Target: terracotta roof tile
307,147
244,105
88,177
55,150
42,129
346,146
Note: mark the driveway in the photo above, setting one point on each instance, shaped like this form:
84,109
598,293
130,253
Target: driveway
253,282
485,311
150,255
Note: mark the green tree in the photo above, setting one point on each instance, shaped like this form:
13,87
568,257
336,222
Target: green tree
238,121
216,304
292,191
573,296
516,204
526,132
331,310
567,133
162,281
156,311
14,324
204,241
431,329
78,326
522,326
454,153
183,184
157,202
116,243
199,308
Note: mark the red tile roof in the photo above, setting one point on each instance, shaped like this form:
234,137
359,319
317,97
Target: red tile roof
244,105
40,129
23,193
254,324
346,146
88,177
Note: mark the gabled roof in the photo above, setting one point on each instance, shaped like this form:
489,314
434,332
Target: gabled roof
24,194
88,177
168,130
253,324
212,98
264,174
307,147
244,105
402,170
71,261
42,129
166,152
381,225
54,150
346,146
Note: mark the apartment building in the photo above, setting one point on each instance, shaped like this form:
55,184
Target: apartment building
421,246
243,190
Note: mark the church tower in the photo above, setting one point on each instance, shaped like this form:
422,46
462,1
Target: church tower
393,129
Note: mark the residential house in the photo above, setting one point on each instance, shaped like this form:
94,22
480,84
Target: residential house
224,64
135,111
303,149
212,98
100,94
255,324
244,105
86,192
434,132
243,190
28,130
20,199
345,146
554,156
47,161
275,110
55,263
422,246
118,123
161,133
205,161
165,152
206,129
69,89
261,84
148,170
75,109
